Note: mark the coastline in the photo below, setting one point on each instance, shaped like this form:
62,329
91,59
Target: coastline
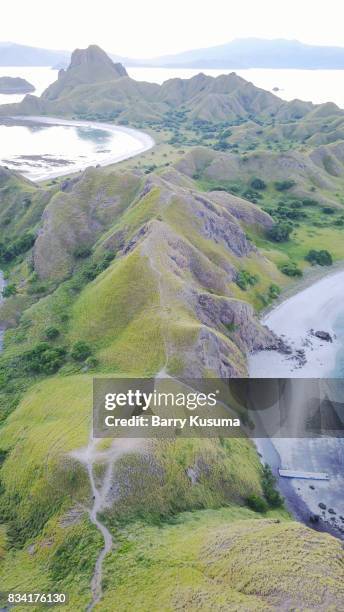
144,143
316,306
311,275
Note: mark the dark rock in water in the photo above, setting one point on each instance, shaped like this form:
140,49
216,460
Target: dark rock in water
323,336
314,518
322,506
331,511
312,487
342,518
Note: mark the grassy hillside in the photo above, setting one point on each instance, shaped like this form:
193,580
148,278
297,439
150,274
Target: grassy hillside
152,268
227,559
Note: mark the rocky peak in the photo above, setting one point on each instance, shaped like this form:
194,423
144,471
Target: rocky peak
94,58
87,66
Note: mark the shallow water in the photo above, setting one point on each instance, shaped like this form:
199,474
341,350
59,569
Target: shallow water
57,147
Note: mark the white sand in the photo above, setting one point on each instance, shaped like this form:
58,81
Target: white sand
316,307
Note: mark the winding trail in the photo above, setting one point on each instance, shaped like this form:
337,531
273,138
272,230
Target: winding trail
99,497
102,496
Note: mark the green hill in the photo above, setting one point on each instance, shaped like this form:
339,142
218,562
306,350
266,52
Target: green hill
146,270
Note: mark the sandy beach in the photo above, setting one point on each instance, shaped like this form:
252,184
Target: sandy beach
315,308
137,142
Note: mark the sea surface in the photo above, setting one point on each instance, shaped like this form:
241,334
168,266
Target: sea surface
314,85
57,147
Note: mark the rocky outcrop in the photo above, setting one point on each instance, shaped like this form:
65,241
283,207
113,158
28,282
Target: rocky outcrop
87,67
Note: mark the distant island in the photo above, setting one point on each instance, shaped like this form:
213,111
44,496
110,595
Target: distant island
238,54
12,54
15,85
256,53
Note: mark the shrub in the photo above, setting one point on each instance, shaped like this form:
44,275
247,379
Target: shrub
272,496
51,333
17,247
284,185
80,350
280,232
89,272
328,210
82,251
322,258
291,269
9,290
257,503
244,279
253,196
106,260
43,359
36,289
91,362
257,183
274,291
309,202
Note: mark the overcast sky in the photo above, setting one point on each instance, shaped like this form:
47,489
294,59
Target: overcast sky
145,28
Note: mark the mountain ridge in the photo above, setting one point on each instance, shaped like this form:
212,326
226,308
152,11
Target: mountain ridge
256,53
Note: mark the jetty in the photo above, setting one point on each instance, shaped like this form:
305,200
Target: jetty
304,475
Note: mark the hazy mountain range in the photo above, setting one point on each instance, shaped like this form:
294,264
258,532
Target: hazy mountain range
240,53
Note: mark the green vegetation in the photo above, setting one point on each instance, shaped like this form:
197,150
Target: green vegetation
322,258
284,185
291,269
8,252
271,494
51,333
244,279
274,291
280,232
257,503
9,290
224,559
82,251
258,183
80,351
